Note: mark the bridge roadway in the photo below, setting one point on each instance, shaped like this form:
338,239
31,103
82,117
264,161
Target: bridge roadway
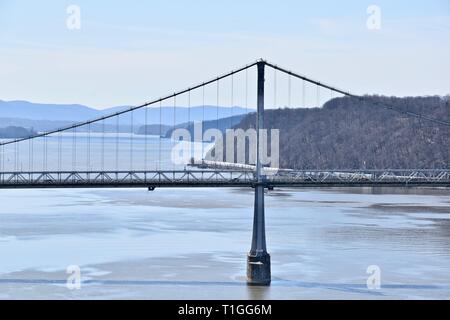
223,178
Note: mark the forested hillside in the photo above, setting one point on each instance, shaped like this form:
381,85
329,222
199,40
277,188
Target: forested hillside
348,134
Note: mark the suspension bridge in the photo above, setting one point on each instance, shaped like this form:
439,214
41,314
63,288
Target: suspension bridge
106,152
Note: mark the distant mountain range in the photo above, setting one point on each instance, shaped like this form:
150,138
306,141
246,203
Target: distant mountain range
44,117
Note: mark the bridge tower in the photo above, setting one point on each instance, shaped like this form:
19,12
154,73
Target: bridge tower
258,260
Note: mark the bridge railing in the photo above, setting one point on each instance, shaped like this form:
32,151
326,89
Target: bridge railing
124,178
394,176
222,178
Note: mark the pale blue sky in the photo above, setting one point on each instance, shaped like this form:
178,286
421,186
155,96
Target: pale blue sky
130,51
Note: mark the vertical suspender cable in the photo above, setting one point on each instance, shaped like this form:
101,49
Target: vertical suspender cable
59,151
131,140
217,113
88,158
15,157
3,158
203,121
246,107
246,91
189,107
73,149
145,138
275,88
174,113
103,145
190,126
174,124
117,142
232,101
217,104
46,152
74,146
44,163
30,156
160,133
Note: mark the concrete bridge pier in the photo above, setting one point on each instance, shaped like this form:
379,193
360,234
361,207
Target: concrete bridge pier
258,260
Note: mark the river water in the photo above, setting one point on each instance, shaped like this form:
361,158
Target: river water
192,243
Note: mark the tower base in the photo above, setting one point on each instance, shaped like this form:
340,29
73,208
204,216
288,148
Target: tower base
258,269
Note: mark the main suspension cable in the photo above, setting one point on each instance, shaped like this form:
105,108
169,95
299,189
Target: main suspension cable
361,98
181,92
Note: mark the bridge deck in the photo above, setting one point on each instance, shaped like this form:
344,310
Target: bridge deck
222,178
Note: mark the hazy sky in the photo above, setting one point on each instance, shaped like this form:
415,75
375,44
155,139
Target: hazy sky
127,52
